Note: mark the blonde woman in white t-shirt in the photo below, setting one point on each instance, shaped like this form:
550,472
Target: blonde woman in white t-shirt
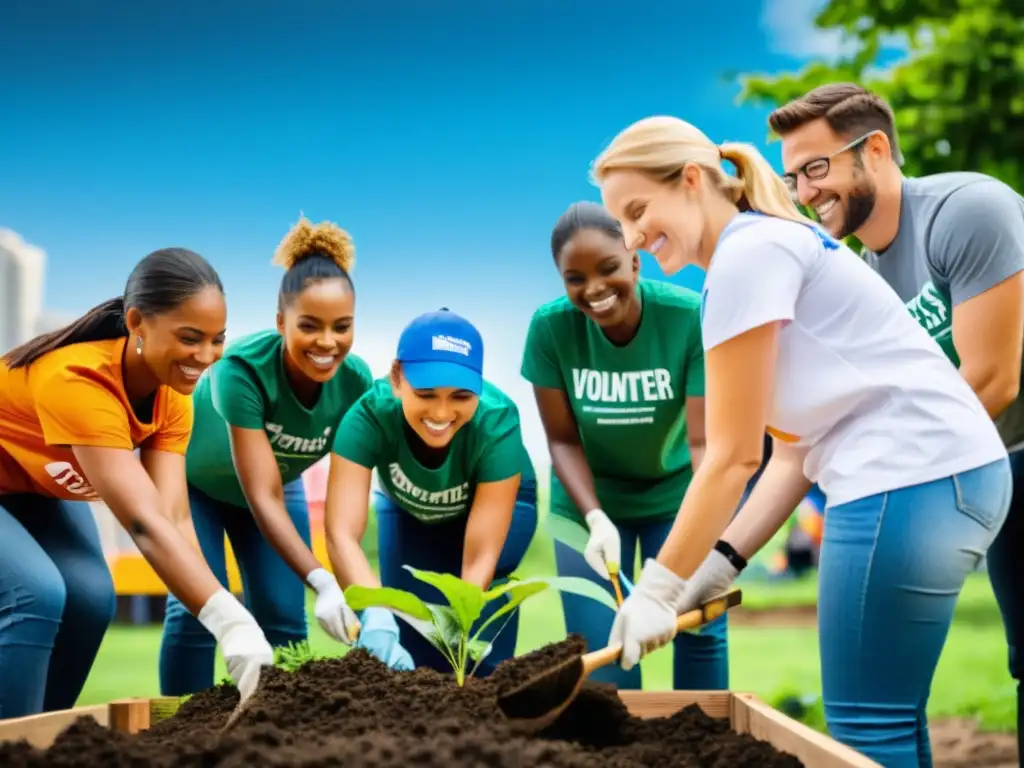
803,339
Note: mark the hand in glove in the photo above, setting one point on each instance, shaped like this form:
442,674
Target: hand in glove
331,611
604,548
647,619
241,640
379,636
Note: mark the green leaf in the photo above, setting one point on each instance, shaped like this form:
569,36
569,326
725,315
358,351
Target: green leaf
519,591
467,600
575,585
359,598
477,648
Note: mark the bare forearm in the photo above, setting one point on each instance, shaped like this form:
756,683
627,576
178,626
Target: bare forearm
571,467
277,527
779,490
478,566
348,561
712,497
176,560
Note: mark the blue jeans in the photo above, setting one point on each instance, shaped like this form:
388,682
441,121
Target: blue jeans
274,594
56,602
1006,572
892,566
700,660
404,540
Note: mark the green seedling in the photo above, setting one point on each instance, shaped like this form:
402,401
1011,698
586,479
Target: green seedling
450,628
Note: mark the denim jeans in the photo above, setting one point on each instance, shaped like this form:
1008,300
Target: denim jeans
892,566
700,661
274,594
1006,572
56,602
404,540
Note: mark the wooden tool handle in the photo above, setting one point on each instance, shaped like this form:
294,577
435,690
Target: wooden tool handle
707,612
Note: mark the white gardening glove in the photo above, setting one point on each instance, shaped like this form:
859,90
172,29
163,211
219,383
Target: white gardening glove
604,547
647,619
331,611
241,640
712,577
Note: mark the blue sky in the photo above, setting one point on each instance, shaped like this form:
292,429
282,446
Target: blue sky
447,137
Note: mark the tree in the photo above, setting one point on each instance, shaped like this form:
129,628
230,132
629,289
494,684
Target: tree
958,95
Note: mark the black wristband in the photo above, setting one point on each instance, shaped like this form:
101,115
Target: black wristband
735,558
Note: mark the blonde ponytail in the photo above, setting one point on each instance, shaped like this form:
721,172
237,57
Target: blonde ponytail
763,189
660,146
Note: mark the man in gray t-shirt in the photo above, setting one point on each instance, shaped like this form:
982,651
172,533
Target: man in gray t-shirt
959,235
952,246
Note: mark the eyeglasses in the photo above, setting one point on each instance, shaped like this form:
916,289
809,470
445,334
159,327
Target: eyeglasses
819,167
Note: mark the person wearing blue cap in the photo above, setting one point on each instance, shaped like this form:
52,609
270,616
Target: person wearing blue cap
457,495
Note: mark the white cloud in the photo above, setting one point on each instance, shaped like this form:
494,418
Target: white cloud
790,28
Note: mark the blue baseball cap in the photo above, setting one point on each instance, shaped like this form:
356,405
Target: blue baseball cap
442,349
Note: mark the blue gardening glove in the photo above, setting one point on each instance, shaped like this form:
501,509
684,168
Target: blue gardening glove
379,636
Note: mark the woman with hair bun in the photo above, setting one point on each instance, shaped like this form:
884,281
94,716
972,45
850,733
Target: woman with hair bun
265,413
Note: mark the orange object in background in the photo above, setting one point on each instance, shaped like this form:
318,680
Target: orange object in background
134,576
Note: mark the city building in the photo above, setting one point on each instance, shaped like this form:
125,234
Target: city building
22,267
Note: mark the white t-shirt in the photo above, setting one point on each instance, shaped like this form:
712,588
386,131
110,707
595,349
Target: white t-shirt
859,383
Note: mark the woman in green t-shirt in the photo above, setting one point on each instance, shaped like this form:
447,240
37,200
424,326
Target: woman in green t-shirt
265,413
617,366
458,493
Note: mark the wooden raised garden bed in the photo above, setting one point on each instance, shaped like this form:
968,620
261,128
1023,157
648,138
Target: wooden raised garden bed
745,713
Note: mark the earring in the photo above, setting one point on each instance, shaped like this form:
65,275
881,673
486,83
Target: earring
138,345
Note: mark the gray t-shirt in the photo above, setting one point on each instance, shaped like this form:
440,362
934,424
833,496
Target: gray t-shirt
959,235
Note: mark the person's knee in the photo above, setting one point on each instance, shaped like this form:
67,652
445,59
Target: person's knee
37,599
91,600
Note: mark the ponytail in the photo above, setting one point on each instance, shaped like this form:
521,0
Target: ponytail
102,322
763,190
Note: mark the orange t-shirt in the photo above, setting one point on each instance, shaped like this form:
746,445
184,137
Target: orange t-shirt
75,396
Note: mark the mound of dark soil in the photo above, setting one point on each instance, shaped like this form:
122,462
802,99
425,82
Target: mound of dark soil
355,712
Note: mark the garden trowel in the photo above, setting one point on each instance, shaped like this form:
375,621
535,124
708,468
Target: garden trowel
534,705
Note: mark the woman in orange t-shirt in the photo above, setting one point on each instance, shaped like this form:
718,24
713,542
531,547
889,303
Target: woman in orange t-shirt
75,406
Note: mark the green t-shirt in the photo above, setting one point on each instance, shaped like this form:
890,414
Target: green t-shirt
487,449
628,401
248,388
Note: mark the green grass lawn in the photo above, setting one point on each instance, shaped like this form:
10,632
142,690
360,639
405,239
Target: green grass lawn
774,663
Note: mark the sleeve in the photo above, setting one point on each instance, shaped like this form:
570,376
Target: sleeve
755,279
540,358
235,396
176,430
81,408
694,358
503,451
360,437
977,238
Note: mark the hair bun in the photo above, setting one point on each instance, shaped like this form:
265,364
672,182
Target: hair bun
307,239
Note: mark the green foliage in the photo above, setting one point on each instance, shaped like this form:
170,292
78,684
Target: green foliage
292,656
956,95
449,628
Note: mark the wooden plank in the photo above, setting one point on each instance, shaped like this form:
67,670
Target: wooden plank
665,703
750,715
40,730
129,715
